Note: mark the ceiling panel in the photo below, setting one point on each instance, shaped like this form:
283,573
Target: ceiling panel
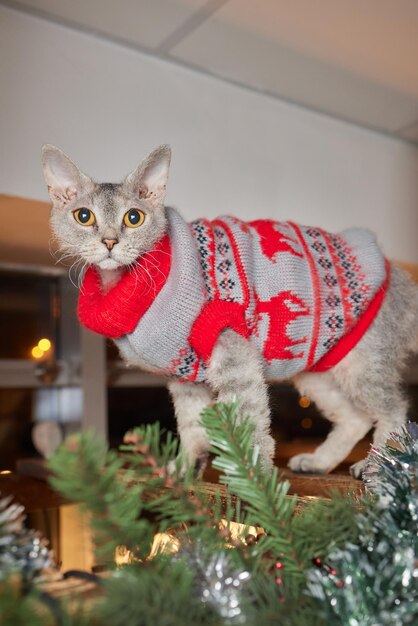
376,39
410,133
356,62
145,23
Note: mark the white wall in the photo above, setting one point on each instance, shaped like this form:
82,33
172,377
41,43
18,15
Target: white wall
233,150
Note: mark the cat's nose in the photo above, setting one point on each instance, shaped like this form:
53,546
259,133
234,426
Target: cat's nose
109,243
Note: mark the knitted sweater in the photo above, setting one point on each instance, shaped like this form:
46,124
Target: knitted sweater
303,296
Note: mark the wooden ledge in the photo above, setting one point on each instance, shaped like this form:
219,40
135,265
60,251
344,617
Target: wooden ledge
30,488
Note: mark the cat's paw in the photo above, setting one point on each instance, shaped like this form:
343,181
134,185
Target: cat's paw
200,464
179,467
356,470
308,463
172,467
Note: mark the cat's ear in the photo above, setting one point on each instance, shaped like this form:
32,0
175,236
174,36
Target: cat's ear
65,181
149,179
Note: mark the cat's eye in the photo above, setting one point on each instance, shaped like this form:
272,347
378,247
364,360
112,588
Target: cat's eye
84,216
133,218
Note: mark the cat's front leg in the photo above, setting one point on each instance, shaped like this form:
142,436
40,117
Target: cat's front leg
189,401
235,372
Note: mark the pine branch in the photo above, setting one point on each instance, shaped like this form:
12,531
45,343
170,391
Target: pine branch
131,496
173,498
265,606
335,524
19,609
162,594
266,501
85,472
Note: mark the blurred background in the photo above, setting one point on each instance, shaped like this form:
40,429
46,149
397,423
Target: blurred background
285,109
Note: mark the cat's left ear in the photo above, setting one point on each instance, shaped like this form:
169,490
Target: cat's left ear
149,179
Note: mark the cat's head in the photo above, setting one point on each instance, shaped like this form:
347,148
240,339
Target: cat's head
105,224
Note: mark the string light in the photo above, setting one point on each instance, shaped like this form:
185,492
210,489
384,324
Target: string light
37,353
304,402
44,345
306,423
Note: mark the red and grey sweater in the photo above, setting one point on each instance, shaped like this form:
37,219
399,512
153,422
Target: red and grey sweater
305,297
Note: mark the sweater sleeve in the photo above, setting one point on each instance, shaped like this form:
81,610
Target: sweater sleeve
215,316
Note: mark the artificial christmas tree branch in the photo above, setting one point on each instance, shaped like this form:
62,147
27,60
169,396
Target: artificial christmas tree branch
346,560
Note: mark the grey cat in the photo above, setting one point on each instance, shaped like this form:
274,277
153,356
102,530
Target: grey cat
112,227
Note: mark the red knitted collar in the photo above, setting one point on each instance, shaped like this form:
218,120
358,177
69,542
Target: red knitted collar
118,311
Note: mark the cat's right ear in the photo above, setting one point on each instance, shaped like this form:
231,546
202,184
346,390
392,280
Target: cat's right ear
149,180
65,181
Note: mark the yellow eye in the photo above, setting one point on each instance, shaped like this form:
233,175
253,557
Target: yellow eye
134,218
84,216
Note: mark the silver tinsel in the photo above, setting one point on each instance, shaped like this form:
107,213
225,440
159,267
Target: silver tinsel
399,459
22,551
376,582
217,581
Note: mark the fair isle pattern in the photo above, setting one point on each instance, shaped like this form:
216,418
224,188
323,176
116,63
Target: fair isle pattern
329,285
224,262
317,300
205,243
226,271
354,286
221,282
342,284
186,366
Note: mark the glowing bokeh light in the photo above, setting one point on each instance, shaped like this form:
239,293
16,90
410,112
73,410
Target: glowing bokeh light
44,344
37,353
306,423
304,402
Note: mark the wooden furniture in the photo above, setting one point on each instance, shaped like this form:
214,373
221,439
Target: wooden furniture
29,485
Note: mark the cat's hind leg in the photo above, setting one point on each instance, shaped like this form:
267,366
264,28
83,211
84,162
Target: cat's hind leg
189,400
371,374
374,385
350,424
365,387
235,373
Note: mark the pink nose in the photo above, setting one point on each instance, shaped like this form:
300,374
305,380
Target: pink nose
109,243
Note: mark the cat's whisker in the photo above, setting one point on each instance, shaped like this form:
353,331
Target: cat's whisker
81,276
132,267
64,257
52,252
155,265
147,275
151,276
139,270
70,276
161,252
66,250
78,273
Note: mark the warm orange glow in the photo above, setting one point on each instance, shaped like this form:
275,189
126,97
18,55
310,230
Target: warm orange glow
169,543
304,402
44,345
5,472
306,423
165,543
37,353
238,532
